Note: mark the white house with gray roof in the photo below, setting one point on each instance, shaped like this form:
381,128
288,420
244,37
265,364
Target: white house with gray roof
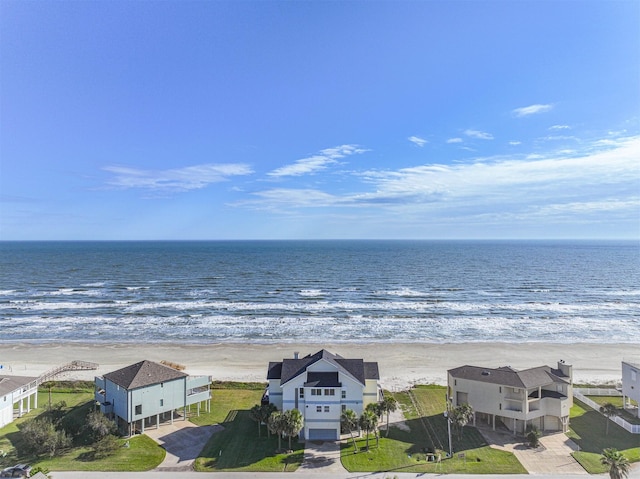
20,391
540,397
147,394
321,386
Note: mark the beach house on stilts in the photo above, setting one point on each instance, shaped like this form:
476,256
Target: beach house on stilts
539,397
146,394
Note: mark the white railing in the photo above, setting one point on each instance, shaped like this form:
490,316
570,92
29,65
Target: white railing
598,391
627,426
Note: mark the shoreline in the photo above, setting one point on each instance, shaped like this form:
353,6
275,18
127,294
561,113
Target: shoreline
401,364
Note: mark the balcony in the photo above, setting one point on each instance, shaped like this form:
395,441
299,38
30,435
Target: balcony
198,389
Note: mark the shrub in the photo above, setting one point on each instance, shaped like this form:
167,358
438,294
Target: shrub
106,446
99,426
41,437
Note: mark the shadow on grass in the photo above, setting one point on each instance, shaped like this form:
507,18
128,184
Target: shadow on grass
238,447
415,448
589,431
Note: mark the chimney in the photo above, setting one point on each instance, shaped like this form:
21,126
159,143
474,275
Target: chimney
566,369
296,355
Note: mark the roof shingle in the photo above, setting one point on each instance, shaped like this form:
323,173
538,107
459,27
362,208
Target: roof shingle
144,373
507,376
291,368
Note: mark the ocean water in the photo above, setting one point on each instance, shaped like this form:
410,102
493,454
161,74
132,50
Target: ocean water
320,291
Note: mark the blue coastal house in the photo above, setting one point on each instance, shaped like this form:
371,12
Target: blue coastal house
147,394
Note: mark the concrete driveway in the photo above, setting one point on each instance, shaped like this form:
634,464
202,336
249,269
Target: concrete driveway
183,442
321,457
554,457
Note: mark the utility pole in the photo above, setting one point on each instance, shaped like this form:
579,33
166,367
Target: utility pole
446,415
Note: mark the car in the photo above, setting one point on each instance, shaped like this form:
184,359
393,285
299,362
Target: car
19,470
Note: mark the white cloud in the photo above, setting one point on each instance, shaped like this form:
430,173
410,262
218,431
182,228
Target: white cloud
531,110
480,135
558,138
560,127
515,143
317,162
177,179
533,179
454,140
596,178
417,140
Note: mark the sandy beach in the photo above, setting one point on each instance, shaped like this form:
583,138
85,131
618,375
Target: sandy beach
401,364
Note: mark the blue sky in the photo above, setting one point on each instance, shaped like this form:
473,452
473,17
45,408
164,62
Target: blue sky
268,120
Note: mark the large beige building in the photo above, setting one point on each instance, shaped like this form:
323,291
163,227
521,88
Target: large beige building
540,397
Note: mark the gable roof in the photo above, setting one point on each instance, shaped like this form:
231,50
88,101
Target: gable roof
292,368
8,384
507,376
144,373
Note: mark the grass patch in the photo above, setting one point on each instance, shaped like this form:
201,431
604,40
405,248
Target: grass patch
143,453
617,402
587,429
238,447
238,385
407,451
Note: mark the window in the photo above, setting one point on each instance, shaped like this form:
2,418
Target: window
316,392
455,382
139,409
344,407
161,402
161,385
318,408
301,393
326,409
329,392
633,375
500,406
344,394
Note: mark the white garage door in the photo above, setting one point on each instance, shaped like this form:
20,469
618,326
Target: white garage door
323,434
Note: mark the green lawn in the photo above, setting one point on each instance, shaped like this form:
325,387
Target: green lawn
238,447
588,430
406,451
143,453
617,402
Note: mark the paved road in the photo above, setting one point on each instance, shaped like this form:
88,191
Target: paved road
635,474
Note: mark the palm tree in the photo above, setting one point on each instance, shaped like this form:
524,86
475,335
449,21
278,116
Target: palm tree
369,422
460,417
276,426
349,421
49,385
375,408
616,462
608,410
293,422
388,405
265,411
256,415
